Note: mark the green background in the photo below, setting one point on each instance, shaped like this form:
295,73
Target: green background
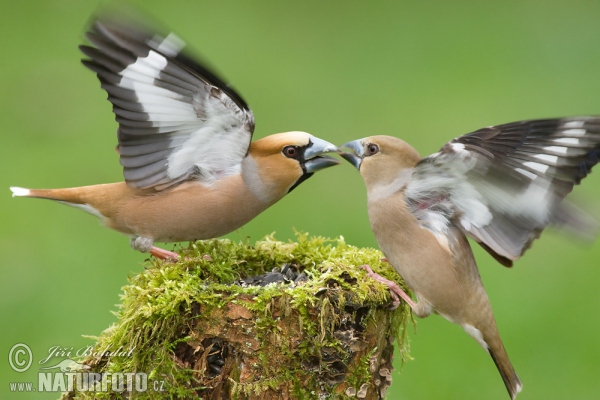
425,72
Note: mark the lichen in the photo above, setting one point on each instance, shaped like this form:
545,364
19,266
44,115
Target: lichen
175,316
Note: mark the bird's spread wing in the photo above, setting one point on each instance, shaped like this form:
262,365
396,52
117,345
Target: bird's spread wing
177,120
503,184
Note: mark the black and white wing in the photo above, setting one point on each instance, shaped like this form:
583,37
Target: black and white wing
503,184
177,120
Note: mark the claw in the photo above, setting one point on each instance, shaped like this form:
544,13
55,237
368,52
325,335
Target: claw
395,290
163,254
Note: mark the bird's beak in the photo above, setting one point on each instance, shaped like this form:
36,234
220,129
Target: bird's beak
315,160
355,158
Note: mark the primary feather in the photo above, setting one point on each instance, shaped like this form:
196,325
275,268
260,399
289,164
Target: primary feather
177,120
502,185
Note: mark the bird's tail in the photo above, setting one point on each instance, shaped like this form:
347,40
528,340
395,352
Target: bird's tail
76,197
490,340
72,195
507,372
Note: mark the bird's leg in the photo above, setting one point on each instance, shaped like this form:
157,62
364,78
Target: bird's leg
146,245
163,254
395,290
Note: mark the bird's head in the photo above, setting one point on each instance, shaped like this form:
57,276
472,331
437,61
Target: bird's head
278,163
380,159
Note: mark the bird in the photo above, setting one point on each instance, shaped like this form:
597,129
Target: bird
191,168
500,186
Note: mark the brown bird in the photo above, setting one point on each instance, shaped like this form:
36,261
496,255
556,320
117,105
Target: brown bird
500,186
191,170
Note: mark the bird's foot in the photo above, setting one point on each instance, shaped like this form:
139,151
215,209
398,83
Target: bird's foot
163,254
395,291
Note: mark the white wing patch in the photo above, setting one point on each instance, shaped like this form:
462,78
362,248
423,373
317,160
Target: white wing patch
177,120
531,203
556,149
171,45
458,147
163,106
574,132
502,185
568,140
547,158
160,104
209,160
574,124
447,188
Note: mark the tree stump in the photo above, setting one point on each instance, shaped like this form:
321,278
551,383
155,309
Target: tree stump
274,320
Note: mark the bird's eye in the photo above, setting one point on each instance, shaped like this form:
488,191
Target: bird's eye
290,151
372,149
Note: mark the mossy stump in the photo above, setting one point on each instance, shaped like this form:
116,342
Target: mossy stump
204,327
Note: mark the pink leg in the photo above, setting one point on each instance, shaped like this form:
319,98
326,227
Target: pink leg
395,290
163,254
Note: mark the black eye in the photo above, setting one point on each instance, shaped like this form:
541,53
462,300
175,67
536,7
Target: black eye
290,151
372,149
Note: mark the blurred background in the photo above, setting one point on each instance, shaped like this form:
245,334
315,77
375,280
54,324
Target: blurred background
425,72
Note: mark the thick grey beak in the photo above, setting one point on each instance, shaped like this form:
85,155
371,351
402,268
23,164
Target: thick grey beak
318,147
354,158
320,162
315,160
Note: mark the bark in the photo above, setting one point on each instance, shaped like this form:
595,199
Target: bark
229,355
305,323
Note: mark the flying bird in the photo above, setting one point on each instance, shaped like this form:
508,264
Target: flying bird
500,186
185,142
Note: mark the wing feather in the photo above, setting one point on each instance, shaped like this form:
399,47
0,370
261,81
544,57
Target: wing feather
177,119
502,185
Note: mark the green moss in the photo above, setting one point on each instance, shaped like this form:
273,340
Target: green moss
361,373
162,305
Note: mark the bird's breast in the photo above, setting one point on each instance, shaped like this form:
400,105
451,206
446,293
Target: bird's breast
442,272
413,250
190,211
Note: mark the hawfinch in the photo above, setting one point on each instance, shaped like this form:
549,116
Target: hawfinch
184,138
499,185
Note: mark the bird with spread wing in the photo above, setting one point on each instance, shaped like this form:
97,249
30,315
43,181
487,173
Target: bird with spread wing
185,143
500,186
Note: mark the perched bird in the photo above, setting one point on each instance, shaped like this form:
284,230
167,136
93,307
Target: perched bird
185,143
500,186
